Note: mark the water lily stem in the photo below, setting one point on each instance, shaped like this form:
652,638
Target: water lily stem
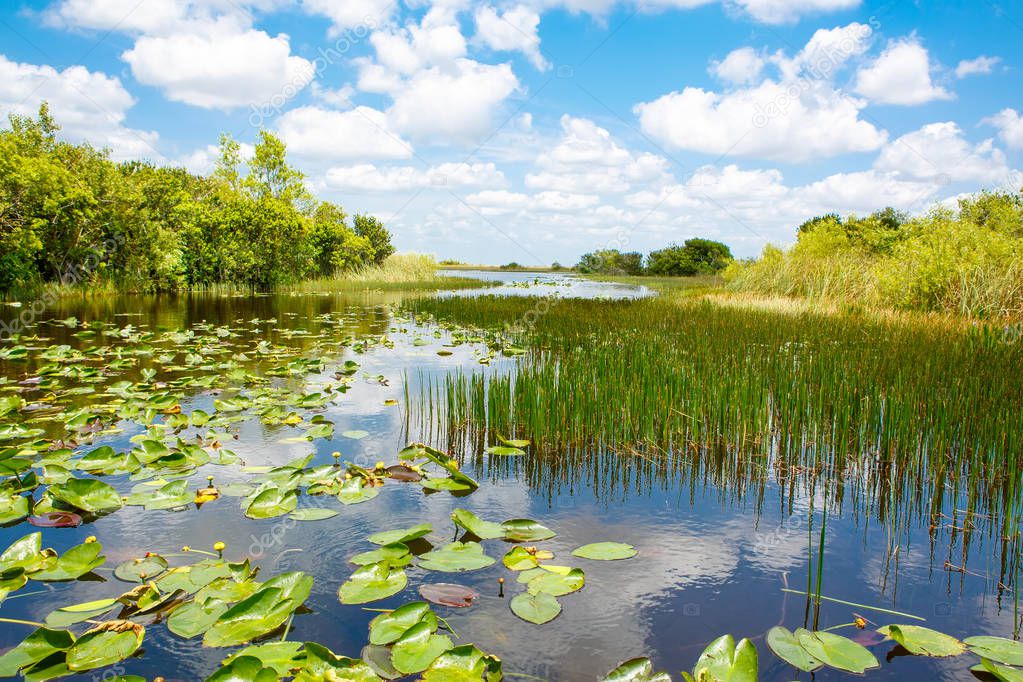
23,622
862,606
287,627
836,627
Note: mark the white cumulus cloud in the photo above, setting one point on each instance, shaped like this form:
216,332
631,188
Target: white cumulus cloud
220,65
1010,127
371,178
939,152
741,66
358,134
515,29
979,66
771,120
901,75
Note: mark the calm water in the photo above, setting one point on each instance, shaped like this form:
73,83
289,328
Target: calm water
715,550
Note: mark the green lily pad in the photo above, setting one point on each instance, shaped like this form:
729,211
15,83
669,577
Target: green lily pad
104,645
102,459
142,569
836,651
24,553
999,649
526,530
39,645
196,617
396,555
536,608
504,451
636,670
271,503
372,582
388,627
557,584
170,496
295,586
605,551
724,660
1002,673
923,641
356,490
519,559
76,613
244,669
379,659
786,647
87,494
389,537
282,657
455,557
14,508
464,664
263,612
484,530
322,664
313,514
71,565
355,434
417,648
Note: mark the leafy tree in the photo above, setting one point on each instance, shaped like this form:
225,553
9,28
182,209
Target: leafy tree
826,220
336,247
378,236
611,262
270,176
695,257
56,199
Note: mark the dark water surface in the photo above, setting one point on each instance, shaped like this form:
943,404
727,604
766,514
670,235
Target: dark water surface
716,546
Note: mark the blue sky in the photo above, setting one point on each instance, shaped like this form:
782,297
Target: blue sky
536,130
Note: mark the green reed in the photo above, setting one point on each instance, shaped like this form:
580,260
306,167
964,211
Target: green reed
897,405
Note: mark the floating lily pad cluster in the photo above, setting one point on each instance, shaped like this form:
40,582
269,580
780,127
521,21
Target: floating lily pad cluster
381,572
134,377
725,661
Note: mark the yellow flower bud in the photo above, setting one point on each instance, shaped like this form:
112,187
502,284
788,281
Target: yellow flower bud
90,539
219,546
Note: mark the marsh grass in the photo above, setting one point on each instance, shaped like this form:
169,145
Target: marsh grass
928,412
399,272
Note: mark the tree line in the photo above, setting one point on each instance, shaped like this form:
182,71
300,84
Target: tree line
693,257
69,214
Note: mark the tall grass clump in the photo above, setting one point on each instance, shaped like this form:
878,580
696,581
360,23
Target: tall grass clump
897,405
966,260
404,271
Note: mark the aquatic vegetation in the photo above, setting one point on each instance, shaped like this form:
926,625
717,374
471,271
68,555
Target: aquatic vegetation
241,422
739,395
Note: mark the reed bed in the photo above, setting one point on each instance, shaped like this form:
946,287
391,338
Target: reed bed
928,411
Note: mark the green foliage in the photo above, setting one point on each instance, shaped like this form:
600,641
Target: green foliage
336,246
70,215
611,262
379,238
695,257
966,261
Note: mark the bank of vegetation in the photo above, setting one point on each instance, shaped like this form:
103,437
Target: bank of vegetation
71,216
965,260
694,257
